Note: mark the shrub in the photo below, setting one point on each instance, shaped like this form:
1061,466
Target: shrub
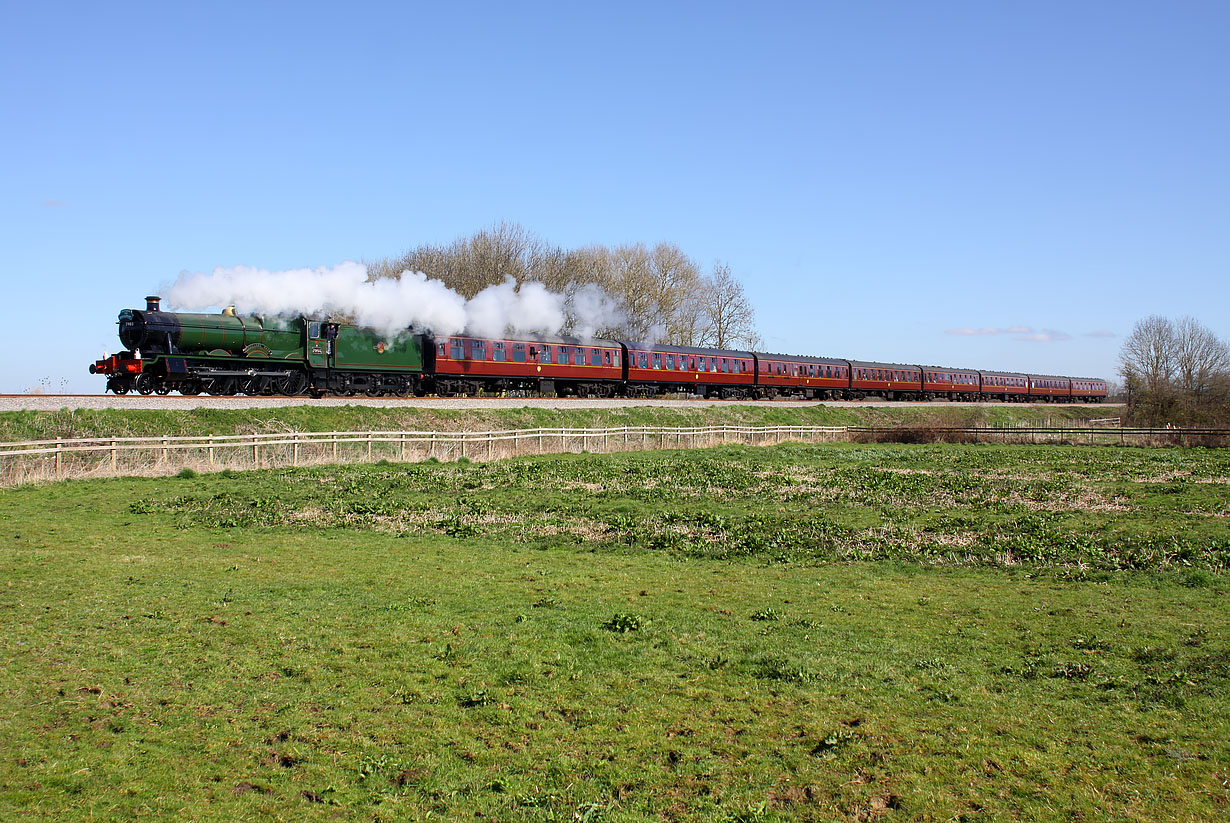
623,623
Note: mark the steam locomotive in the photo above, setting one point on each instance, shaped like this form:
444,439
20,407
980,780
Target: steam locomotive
227,354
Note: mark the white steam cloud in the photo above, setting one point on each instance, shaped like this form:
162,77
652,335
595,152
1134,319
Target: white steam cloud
390,305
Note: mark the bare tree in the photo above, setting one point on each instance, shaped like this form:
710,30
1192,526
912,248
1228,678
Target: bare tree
631,281
729,320
1199,357
1147,359
659,292
470,264
1175,372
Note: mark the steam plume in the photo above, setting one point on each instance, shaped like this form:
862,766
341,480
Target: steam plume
391,305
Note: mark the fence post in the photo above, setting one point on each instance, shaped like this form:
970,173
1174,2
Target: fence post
256,455
59,457
334,439
490,443
210,450
431,446
401,447
113,456
369,447
295,453
166,454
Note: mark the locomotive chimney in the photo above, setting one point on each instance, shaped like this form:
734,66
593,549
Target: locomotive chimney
153,302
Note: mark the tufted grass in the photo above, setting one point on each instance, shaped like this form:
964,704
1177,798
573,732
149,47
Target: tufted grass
526,641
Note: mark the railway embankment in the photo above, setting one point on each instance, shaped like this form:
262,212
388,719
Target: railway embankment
71,421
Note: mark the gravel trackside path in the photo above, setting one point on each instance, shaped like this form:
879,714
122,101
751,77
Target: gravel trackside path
55,402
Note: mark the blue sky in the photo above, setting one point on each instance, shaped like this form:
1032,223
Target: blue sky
879,174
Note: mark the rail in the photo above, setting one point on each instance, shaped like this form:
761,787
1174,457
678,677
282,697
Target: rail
61,458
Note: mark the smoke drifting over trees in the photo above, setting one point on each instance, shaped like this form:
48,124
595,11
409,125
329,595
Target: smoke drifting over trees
1176,372
500,279
658,294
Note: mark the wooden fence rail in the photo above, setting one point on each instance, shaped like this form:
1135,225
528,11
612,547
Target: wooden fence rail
112,456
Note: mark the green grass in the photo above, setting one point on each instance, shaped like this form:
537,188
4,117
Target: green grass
625,638
68,423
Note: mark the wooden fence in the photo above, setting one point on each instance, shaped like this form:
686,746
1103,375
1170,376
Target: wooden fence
115,456
63,458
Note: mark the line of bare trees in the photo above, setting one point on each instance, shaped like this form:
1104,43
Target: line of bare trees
663,294
1175,372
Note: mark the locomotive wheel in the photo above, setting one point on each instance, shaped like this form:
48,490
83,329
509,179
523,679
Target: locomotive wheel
292,384
162,389
121,387
144,383
225,386
190,388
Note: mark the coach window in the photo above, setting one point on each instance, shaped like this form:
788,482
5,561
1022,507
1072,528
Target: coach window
440,349
595,357
544,356
497,351
657,360
670,362
480,350
457,349
608,357
578,356
518,352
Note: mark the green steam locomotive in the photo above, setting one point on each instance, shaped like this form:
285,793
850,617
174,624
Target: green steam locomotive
226,354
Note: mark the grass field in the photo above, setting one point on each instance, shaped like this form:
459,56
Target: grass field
792,633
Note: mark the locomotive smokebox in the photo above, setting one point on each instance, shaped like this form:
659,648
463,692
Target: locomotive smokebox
153,303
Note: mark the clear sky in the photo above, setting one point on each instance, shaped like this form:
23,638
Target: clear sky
880,175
